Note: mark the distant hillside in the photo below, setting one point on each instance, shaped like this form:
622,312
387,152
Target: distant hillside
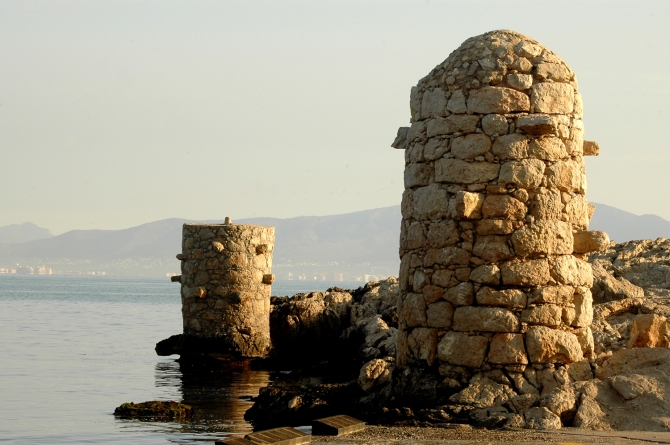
306,244
21,233
624,226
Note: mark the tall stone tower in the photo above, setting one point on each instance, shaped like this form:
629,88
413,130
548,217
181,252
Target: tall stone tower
494,213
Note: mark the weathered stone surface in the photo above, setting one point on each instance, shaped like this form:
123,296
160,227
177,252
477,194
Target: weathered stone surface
375,373
401,140
443,234
461,349
560,295
567,269
583,307
497,100
586,241
509,298
589,414
483,393
413,310
562,402
520,81
434,149
525,174
486,274
503,207
541,124
457,103
430,202
439,315
566,176
422,345
448,256
626,361
460,295
485,319
648,331
552,98
510,147
546,345
507,349
492,248
470,146
456,122
544,314
548,149
434,103
557,72
550,237
462,172
547,204
591,148
418,175
494,124
469,205
525,273
496,226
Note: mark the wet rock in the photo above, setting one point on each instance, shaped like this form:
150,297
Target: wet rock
154,410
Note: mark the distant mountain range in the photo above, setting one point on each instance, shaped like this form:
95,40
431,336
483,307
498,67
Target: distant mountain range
354,244
21,233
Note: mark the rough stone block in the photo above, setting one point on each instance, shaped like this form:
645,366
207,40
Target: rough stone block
418,175
422,345
648,331
460,349
552,98
486,274
509,298
434,103
456,122
525,273
413,310
544,314
456,103
566,176
448,256
503,207
430,202
492,248
440,315
541,124
510,147
520,81
550,237
507,349
526,174
469,205
561,295
470,146
460,295
497,100
590,148
461,172
494,124
567,269
443,233
547,148
586,241
495,227
485,319
546,345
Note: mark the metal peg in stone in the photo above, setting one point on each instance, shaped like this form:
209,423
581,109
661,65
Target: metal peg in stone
228,221
268,278
261,249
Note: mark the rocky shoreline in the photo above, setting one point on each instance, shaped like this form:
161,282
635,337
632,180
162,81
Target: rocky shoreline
334,353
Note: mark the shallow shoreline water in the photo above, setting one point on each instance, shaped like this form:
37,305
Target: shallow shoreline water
74,348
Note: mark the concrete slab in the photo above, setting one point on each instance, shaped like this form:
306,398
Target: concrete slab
336,426
279,436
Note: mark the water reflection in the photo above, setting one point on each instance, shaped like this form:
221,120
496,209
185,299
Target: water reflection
219,397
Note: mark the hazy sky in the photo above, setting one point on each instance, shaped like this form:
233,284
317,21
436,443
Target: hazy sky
117,113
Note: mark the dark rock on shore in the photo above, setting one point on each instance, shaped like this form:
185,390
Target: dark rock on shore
154,410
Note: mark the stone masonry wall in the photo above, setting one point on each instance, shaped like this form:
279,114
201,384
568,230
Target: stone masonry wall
225,285
494,212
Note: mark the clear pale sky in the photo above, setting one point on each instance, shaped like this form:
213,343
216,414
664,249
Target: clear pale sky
117,113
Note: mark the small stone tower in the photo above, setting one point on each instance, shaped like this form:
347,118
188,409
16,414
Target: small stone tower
494,213
225,286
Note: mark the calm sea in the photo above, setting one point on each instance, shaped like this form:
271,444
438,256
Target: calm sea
74,348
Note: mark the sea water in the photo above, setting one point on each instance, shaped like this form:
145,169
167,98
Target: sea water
74,348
